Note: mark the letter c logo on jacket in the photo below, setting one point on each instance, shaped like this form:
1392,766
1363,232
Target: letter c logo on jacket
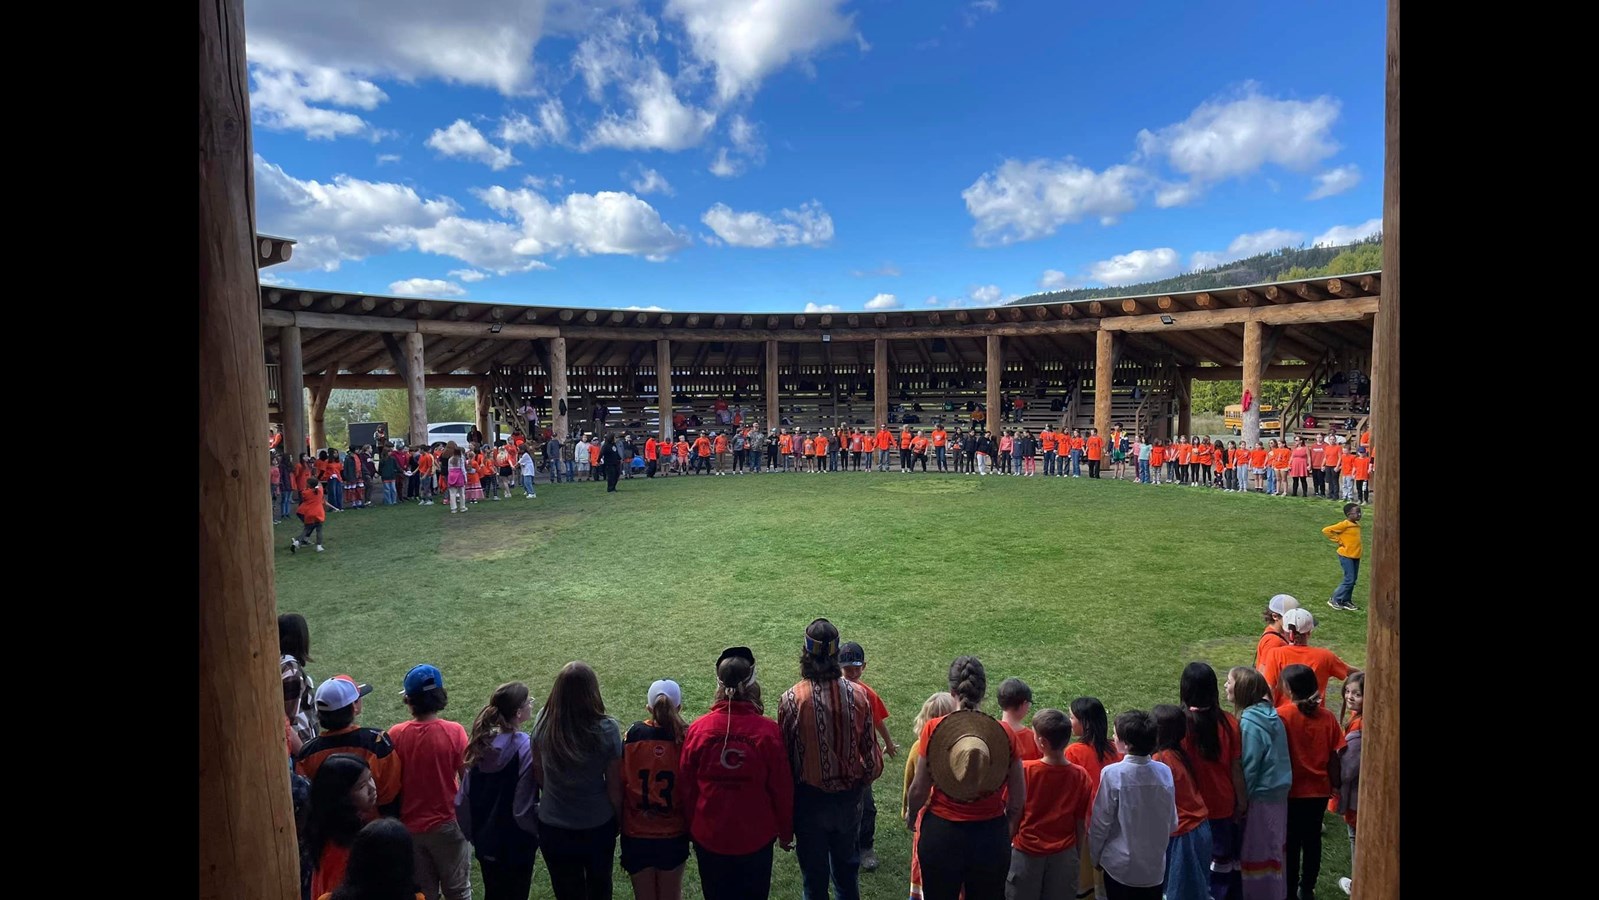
732,758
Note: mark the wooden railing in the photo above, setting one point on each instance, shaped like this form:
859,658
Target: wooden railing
273,390
1293,411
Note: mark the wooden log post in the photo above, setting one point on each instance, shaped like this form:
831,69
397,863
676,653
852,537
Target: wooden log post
1252,371
291,390
416,391
774,407
559,423
246,822
483,388
1104,374
663,385
1377,840
320,394
880,382
994,359
1185,405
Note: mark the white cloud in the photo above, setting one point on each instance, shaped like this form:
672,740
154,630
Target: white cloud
1332,237
1021,201
649,181
724,166
646,308
351,219
485,43
462,140
746,135
931,301
608,222
976,9
282,97
810,226
1335,181
658,121
551,127
883,301
987,295
388,158
1171,194
1248,245
886,270
468,275
747,41
1228,138
425,287
821,308
1139,265
1053,280
554,182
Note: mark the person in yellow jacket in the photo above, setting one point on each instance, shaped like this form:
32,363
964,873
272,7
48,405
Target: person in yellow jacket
1346,535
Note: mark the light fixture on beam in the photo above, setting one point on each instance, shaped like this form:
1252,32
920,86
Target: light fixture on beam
1167,320
496,327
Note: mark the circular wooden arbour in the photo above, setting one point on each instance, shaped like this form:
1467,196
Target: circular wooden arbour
798,364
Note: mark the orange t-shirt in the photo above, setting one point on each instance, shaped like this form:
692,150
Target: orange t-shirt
1077,443
594,454
1322,661
1238,457
650,808
649,449
1257,458
311,507
702,445
1365,438
1362,468
1201,454
785,445
1157,455
1058,798
1215,776
1191,811
1184,451
424,465
1047,439
1270,640
919,445
821,446
1096,447
1346,464
721,443
810,447
430,759
1332,455
1085,756
939,437
682,448
982,809
884,440
904,440
1312,741
1028,741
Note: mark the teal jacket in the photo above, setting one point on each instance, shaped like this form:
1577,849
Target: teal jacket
1267,770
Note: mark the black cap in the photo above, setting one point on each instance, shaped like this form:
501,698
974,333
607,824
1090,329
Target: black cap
740,652
851,654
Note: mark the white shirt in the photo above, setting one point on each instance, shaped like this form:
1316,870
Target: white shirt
527,464
1134,815
582,452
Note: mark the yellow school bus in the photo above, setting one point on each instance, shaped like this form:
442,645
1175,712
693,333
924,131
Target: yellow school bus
1233,418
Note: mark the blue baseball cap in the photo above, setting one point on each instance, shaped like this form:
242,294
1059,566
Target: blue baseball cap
422,678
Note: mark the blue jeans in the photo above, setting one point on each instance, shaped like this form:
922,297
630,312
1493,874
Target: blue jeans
754,460
570,470
832,460
527,485
389,498
938,454
1143,471
826,828
1049,462
287,505
1346,588
1271,481
1077,463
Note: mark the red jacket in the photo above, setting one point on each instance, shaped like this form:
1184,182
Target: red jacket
738,793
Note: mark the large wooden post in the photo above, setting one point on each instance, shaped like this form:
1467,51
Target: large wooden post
773,403
995,361
1377,840
1185,405
1253,333
663,385
559,423
880,382
291,389
247,841
320,394
483,388
1104,375
416,390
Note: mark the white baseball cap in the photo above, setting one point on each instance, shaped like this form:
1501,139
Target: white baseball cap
1282,603
1300,620
667,687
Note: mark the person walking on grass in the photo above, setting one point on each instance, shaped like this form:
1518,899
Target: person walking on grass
313,512
1346,535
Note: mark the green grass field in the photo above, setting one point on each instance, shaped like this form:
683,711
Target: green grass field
1076,586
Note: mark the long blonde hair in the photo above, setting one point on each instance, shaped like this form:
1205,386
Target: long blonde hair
940,704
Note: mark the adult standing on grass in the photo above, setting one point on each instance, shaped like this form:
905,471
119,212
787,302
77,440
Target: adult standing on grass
1346,535
577,759
826,721
611,460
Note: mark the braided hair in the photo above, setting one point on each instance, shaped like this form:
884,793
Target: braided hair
968,681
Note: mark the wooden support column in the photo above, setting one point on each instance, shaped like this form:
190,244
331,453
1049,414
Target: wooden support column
774,406
559,425
1185,405
320,395
1252,372
663,385
1105,352
1377,850
416,391
291,390
246,823
880,382
482,417
995,362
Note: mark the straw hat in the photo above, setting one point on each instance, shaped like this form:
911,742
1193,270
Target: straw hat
970,755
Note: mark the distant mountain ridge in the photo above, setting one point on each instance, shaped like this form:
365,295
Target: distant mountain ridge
1277,265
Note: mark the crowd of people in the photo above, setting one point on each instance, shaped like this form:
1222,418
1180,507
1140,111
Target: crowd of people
1220,795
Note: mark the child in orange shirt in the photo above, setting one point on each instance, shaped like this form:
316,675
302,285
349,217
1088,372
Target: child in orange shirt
1257,465
431,752
475,467
1362,471
1189,852
1044,852
852,659
313,512
1314,740
1093,751
1015,702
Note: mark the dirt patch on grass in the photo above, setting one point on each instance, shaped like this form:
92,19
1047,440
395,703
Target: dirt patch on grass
493,538
942,486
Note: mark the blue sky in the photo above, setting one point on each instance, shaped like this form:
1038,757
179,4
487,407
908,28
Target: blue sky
804,154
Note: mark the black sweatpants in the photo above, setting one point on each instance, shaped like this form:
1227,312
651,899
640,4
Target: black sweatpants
580,860
1093,468
747,877
974,856
1304,837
